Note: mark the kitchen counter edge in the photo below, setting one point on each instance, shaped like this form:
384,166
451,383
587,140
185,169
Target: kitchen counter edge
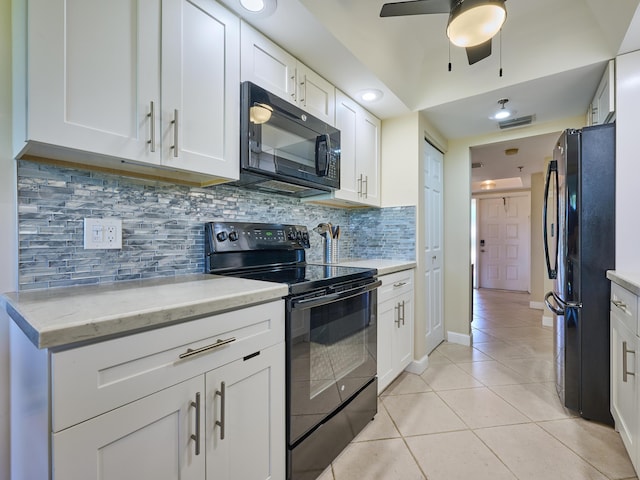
628,280
60,317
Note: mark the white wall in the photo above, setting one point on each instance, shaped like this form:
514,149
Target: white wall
402,152
457,217
8,229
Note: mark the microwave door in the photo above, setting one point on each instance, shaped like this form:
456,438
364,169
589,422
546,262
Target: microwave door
551,219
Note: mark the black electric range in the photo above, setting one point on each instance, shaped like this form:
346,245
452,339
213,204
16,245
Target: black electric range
330,336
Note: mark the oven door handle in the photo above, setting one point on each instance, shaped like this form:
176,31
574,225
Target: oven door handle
334,297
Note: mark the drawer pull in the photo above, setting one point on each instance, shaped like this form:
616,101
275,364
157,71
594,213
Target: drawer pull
399,284
221,394
191,352
624,362
196,436
620,304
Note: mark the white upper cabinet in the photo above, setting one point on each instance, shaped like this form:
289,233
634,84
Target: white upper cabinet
359,153
105,82
603,106
269,66
266,64
201,88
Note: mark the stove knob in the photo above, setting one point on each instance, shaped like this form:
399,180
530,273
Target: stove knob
299,235
221,236
233,236
291,235
305,236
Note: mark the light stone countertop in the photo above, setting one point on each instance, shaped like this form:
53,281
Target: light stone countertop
384,267
62,316
628,280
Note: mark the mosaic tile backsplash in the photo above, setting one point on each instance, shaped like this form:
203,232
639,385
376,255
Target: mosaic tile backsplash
163,225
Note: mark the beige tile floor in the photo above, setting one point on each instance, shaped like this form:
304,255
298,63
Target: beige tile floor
484,412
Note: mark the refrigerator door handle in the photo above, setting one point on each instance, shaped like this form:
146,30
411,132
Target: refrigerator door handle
552,176
555,307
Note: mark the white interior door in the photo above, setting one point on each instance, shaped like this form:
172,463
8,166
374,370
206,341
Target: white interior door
433,248
504,242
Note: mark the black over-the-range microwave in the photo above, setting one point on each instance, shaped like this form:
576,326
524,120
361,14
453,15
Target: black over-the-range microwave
284,149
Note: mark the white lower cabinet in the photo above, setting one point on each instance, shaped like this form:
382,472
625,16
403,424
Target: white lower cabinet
149,438
245,418
203,399
395,326
625,350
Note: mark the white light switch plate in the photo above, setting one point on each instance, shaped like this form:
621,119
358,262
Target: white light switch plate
102,233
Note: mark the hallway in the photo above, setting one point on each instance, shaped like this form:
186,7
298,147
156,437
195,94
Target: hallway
484,412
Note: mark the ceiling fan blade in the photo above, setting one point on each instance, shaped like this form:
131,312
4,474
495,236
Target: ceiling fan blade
415,7
479,52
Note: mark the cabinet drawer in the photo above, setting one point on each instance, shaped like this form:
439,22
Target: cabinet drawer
395,284
93,379
624,305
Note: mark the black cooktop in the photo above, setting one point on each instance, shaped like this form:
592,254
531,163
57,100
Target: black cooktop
304,278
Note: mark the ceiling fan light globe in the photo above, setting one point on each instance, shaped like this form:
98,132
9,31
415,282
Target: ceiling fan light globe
253,5
476,24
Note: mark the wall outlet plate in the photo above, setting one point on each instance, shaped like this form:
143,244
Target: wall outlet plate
102,233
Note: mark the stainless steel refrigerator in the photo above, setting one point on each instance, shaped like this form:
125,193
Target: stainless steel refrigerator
579,240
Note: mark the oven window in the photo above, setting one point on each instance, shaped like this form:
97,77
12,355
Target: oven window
332,354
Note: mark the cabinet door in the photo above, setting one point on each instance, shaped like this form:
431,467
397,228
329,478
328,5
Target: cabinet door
149,439
386,324
200,90
245,418
368,157
346,122
267,65
93,74
624,395
403,335
315,94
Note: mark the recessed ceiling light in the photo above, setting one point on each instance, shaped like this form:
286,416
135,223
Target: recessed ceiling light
370,95
260,8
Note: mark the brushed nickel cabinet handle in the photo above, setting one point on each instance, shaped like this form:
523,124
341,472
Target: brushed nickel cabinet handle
360,185
191,352
175,133
196,437
620,304
403,312
222,394
624,362
399,284
397,310
366,186
152,126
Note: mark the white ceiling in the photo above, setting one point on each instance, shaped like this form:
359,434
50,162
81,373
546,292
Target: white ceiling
553,55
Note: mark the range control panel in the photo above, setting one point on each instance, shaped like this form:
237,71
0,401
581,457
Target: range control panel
241,236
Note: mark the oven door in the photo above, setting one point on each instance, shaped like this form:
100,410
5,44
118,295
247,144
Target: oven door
331,353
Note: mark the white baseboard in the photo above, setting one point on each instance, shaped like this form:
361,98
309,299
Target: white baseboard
459,338
418,366
547,321
536,305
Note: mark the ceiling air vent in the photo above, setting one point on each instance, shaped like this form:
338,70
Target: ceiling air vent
517,122
476,165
